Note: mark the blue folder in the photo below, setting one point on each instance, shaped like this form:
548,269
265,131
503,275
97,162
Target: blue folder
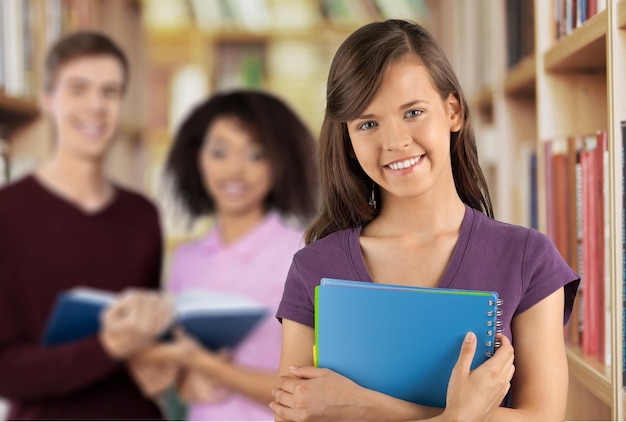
402,341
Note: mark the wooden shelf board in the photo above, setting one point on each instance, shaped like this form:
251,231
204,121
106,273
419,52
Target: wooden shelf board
311,31
621,14
520,80
14,109
131,129
583,49
242,35
484,102
591,373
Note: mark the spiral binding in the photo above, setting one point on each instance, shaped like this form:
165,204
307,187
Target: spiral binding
494,323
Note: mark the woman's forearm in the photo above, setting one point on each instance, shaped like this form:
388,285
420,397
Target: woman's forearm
374,406
256,384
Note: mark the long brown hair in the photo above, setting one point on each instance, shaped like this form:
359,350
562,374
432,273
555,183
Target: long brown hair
355,75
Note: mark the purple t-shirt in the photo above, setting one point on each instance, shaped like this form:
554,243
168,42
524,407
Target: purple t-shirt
521,264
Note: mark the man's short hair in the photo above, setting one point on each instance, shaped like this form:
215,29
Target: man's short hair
78,45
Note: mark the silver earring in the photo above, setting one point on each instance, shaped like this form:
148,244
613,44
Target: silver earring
372,200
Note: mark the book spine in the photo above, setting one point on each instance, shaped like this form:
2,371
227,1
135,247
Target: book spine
573,148
559,195
592,8
534,213
603,229
623,127
591,290
547,163
578,304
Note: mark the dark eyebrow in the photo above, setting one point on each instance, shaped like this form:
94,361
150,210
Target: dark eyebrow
113,86
412,103
402,107
77,80
219,140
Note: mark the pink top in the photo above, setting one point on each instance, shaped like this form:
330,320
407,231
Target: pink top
255,266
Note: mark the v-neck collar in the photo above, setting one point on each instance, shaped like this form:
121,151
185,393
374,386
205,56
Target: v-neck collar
448,278
67,203
251,242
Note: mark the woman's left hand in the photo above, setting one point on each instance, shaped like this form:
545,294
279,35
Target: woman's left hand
195,386
316,394
152,378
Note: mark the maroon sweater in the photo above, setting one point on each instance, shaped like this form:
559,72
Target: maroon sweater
48,245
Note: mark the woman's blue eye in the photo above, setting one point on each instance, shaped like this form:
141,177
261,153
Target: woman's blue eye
367,126
413,113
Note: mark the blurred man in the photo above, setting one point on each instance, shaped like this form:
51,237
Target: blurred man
67,226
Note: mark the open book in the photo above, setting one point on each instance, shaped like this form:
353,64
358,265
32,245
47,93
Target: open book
216,319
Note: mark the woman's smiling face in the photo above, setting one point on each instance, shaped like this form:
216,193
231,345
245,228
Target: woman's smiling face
235,169
402,138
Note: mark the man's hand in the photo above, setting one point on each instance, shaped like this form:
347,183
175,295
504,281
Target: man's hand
134,321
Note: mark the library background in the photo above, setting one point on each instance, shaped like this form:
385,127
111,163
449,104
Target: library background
544,78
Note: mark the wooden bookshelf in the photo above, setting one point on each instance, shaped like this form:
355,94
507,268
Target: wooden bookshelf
569,86
520,80
16,110
170,50
484,102
583,49
621,14
595,375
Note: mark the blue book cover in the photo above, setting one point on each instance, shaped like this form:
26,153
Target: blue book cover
402,341
216,319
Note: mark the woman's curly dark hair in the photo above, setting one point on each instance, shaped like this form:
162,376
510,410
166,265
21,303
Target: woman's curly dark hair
287,142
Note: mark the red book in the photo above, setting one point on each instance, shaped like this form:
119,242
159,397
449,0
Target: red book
574,145
599,200
590,279
550,217
559,196
592,8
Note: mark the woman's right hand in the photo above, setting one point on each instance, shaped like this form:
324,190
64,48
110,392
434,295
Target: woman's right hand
473,394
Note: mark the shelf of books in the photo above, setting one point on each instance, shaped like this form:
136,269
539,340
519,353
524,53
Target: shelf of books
578,109
559,103
584,47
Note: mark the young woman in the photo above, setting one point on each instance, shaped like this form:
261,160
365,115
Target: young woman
246,158
404,201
